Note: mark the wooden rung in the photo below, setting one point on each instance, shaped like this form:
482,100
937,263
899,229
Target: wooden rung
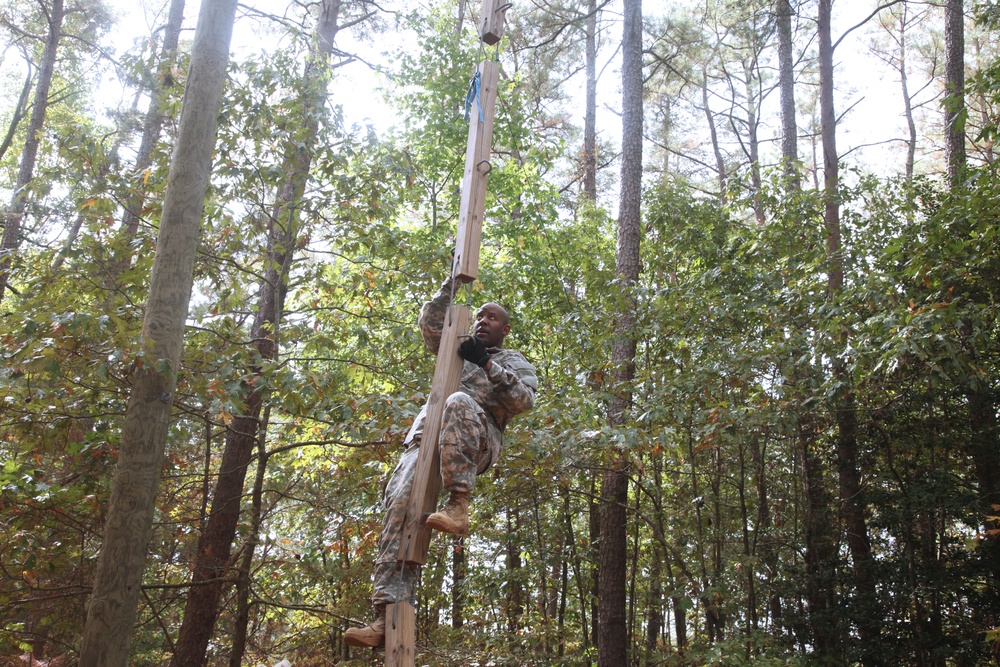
477,168
400,635
427,476
491,20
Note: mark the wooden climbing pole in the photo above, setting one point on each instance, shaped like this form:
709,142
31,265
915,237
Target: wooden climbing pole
400,636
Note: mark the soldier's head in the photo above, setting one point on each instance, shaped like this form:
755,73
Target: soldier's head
492,325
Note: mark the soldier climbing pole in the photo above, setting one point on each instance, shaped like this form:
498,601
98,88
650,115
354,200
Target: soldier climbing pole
400,618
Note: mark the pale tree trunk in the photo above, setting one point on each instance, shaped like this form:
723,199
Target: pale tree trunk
720,162
150,134
911,125
112,607
954,73
11,240
215,542
753,144
786,93
865,612
20,109
613,642
152,126
590,114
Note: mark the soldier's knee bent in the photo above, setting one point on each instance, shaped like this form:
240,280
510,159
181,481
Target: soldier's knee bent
460,401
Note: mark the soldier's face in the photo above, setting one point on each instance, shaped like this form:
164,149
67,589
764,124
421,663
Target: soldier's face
492,325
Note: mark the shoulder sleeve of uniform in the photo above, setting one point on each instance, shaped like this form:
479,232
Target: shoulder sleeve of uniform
431,320
515,382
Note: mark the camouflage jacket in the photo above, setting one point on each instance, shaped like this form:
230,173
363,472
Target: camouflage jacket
507,390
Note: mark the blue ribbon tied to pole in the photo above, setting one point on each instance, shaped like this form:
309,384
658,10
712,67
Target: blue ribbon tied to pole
473,94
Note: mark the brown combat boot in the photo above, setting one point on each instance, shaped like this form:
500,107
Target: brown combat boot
369,636
453,517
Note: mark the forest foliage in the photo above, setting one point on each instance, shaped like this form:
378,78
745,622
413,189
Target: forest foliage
746,359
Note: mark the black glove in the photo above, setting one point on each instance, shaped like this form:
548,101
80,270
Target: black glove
474,350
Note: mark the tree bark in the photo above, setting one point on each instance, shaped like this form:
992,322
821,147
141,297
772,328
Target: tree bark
459,569
786,92
515,592
613,641
911,125
753,143
865,612
20,109
215,543
954,41
112,608
11,240
820,547
590,115
244,575
153,126
720,162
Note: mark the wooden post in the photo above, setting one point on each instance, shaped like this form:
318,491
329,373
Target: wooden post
491,20
477,170
400,634
427,476
400,618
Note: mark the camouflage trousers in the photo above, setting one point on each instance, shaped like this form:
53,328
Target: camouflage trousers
469,443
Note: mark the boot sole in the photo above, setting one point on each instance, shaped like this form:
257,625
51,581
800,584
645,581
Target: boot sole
440,526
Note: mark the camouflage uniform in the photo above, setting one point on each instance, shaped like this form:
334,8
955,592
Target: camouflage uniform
473,422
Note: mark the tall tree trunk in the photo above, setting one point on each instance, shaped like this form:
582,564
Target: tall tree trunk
954,76
112,607
613,641
820,547
215,542
515,592
762,539
11,240
151,127
150,135
786,92
20,109
748,546
654,613
594,525
865,613
459,568
720,162
820,554
590,114
984,441
753,143
985,450
911,125
243,577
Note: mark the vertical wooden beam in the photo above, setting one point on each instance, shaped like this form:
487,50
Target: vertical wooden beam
491,20
477,169
427,476
400,635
